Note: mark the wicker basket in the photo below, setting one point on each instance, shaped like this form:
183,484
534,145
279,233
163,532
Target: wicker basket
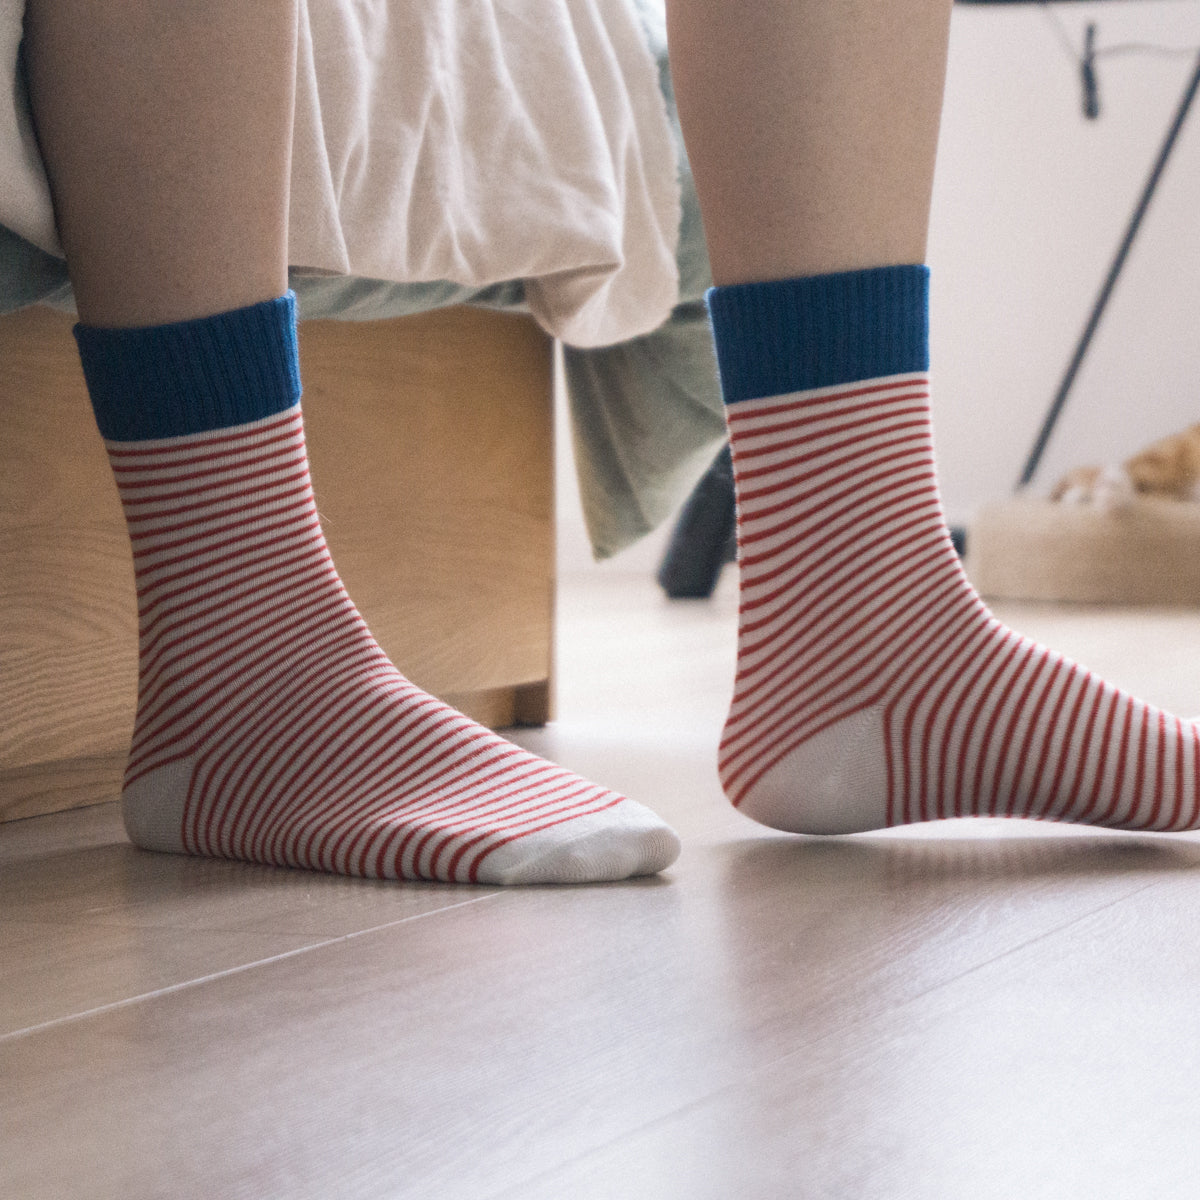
1147,553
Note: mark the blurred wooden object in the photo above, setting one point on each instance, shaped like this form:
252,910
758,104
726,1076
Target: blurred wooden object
1027,549
432,455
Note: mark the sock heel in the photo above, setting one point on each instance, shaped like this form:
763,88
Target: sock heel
152,807
834,782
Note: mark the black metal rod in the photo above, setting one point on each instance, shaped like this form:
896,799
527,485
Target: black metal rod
1064,388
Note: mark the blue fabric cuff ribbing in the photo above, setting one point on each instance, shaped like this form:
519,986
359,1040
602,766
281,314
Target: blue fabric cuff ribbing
789,335
192,376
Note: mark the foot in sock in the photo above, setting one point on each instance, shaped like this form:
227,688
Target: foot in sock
874,687
271,727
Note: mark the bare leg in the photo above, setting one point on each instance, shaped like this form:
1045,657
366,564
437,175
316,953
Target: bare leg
166,132
811,128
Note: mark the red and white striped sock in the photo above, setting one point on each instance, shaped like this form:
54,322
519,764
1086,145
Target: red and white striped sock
874,687
272,728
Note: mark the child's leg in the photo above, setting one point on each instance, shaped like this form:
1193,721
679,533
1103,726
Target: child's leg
166,130
873,685
270,725
811,128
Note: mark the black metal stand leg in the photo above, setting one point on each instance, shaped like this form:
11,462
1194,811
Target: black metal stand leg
705,535
1060,399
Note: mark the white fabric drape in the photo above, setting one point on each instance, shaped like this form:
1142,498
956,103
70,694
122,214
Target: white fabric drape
471,141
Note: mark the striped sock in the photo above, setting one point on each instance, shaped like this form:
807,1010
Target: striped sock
270,726
874,687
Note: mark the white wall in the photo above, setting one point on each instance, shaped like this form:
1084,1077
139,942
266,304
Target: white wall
1029,204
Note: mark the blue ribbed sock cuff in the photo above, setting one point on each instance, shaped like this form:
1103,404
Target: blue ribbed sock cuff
191,376
789,335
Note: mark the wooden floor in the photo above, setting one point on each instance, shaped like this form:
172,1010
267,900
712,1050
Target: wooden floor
968,1011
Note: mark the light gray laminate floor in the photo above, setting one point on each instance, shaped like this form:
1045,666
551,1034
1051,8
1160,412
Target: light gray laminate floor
965,1011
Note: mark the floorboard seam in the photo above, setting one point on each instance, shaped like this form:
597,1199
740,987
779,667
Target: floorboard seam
142,997
1033,941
